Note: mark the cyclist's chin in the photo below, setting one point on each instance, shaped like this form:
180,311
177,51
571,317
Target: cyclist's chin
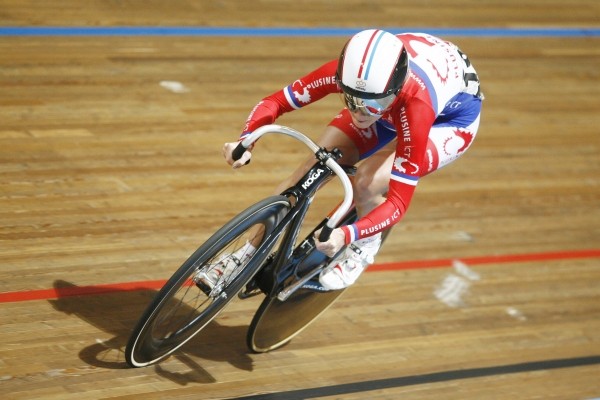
363,121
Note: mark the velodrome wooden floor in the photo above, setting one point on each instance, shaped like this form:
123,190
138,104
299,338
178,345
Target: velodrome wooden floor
108,178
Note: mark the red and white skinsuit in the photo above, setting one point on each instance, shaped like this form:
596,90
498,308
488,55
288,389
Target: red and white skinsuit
434,119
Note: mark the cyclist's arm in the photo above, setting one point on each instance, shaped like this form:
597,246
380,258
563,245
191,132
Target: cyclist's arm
412,127
306,90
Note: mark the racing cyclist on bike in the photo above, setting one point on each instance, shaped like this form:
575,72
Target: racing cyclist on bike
412,105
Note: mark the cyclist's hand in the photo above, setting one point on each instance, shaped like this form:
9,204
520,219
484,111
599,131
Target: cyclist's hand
336,241
227,153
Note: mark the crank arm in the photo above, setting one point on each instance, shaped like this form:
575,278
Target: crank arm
288,291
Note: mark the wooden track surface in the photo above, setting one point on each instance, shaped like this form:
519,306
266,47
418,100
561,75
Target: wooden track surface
488,289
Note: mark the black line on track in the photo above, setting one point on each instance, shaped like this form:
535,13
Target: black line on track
435,377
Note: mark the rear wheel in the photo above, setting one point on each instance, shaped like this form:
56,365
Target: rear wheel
181,308
276,322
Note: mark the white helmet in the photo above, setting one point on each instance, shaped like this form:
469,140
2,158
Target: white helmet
372,66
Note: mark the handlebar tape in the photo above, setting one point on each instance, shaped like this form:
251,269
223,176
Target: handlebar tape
238,152
325,233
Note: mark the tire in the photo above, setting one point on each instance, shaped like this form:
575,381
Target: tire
181,309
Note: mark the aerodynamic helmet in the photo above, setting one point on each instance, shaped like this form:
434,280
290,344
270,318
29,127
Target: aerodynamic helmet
372,69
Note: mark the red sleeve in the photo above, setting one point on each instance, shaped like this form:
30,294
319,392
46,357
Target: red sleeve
306,90
413,122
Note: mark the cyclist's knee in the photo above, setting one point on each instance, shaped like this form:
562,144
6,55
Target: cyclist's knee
373,176
333,137
369,185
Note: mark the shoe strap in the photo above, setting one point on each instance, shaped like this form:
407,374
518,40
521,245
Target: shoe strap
361,254
356,249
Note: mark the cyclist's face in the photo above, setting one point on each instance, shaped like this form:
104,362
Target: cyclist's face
362,120
366,111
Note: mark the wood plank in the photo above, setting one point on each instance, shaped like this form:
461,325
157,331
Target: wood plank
110,177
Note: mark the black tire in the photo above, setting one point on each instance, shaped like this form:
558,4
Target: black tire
181,309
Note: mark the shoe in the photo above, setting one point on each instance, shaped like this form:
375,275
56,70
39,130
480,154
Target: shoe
208,277
346,269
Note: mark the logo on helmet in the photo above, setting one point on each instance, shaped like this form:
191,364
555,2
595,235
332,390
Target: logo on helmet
360,85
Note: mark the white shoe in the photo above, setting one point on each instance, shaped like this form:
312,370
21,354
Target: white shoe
208,277
346,269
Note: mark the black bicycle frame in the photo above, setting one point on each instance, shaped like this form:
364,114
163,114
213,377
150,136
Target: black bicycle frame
280,270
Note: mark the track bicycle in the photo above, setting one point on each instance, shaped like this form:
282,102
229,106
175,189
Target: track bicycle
283,268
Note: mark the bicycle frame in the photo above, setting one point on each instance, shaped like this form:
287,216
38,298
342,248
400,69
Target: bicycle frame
321,154
289,255
284,266
173,317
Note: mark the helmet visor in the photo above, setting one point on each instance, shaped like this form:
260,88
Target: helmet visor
371,107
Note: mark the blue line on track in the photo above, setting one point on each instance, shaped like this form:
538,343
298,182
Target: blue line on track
287,31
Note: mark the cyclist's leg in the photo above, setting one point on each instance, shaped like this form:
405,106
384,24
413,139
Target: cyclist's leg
332,137
453,133
376,145
372,179
447,142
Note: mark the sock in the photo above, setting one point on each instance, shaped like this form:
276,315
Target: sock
246,250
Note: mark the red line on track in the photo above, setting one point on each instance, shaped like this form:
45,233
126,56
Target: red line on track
47,294
55,293
497,259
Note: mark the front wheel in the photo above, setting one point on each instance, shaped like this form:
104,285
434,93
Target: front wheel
181,308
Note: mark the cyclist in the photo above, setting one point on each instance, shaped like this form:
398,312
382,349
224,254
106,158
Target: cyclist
412,105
